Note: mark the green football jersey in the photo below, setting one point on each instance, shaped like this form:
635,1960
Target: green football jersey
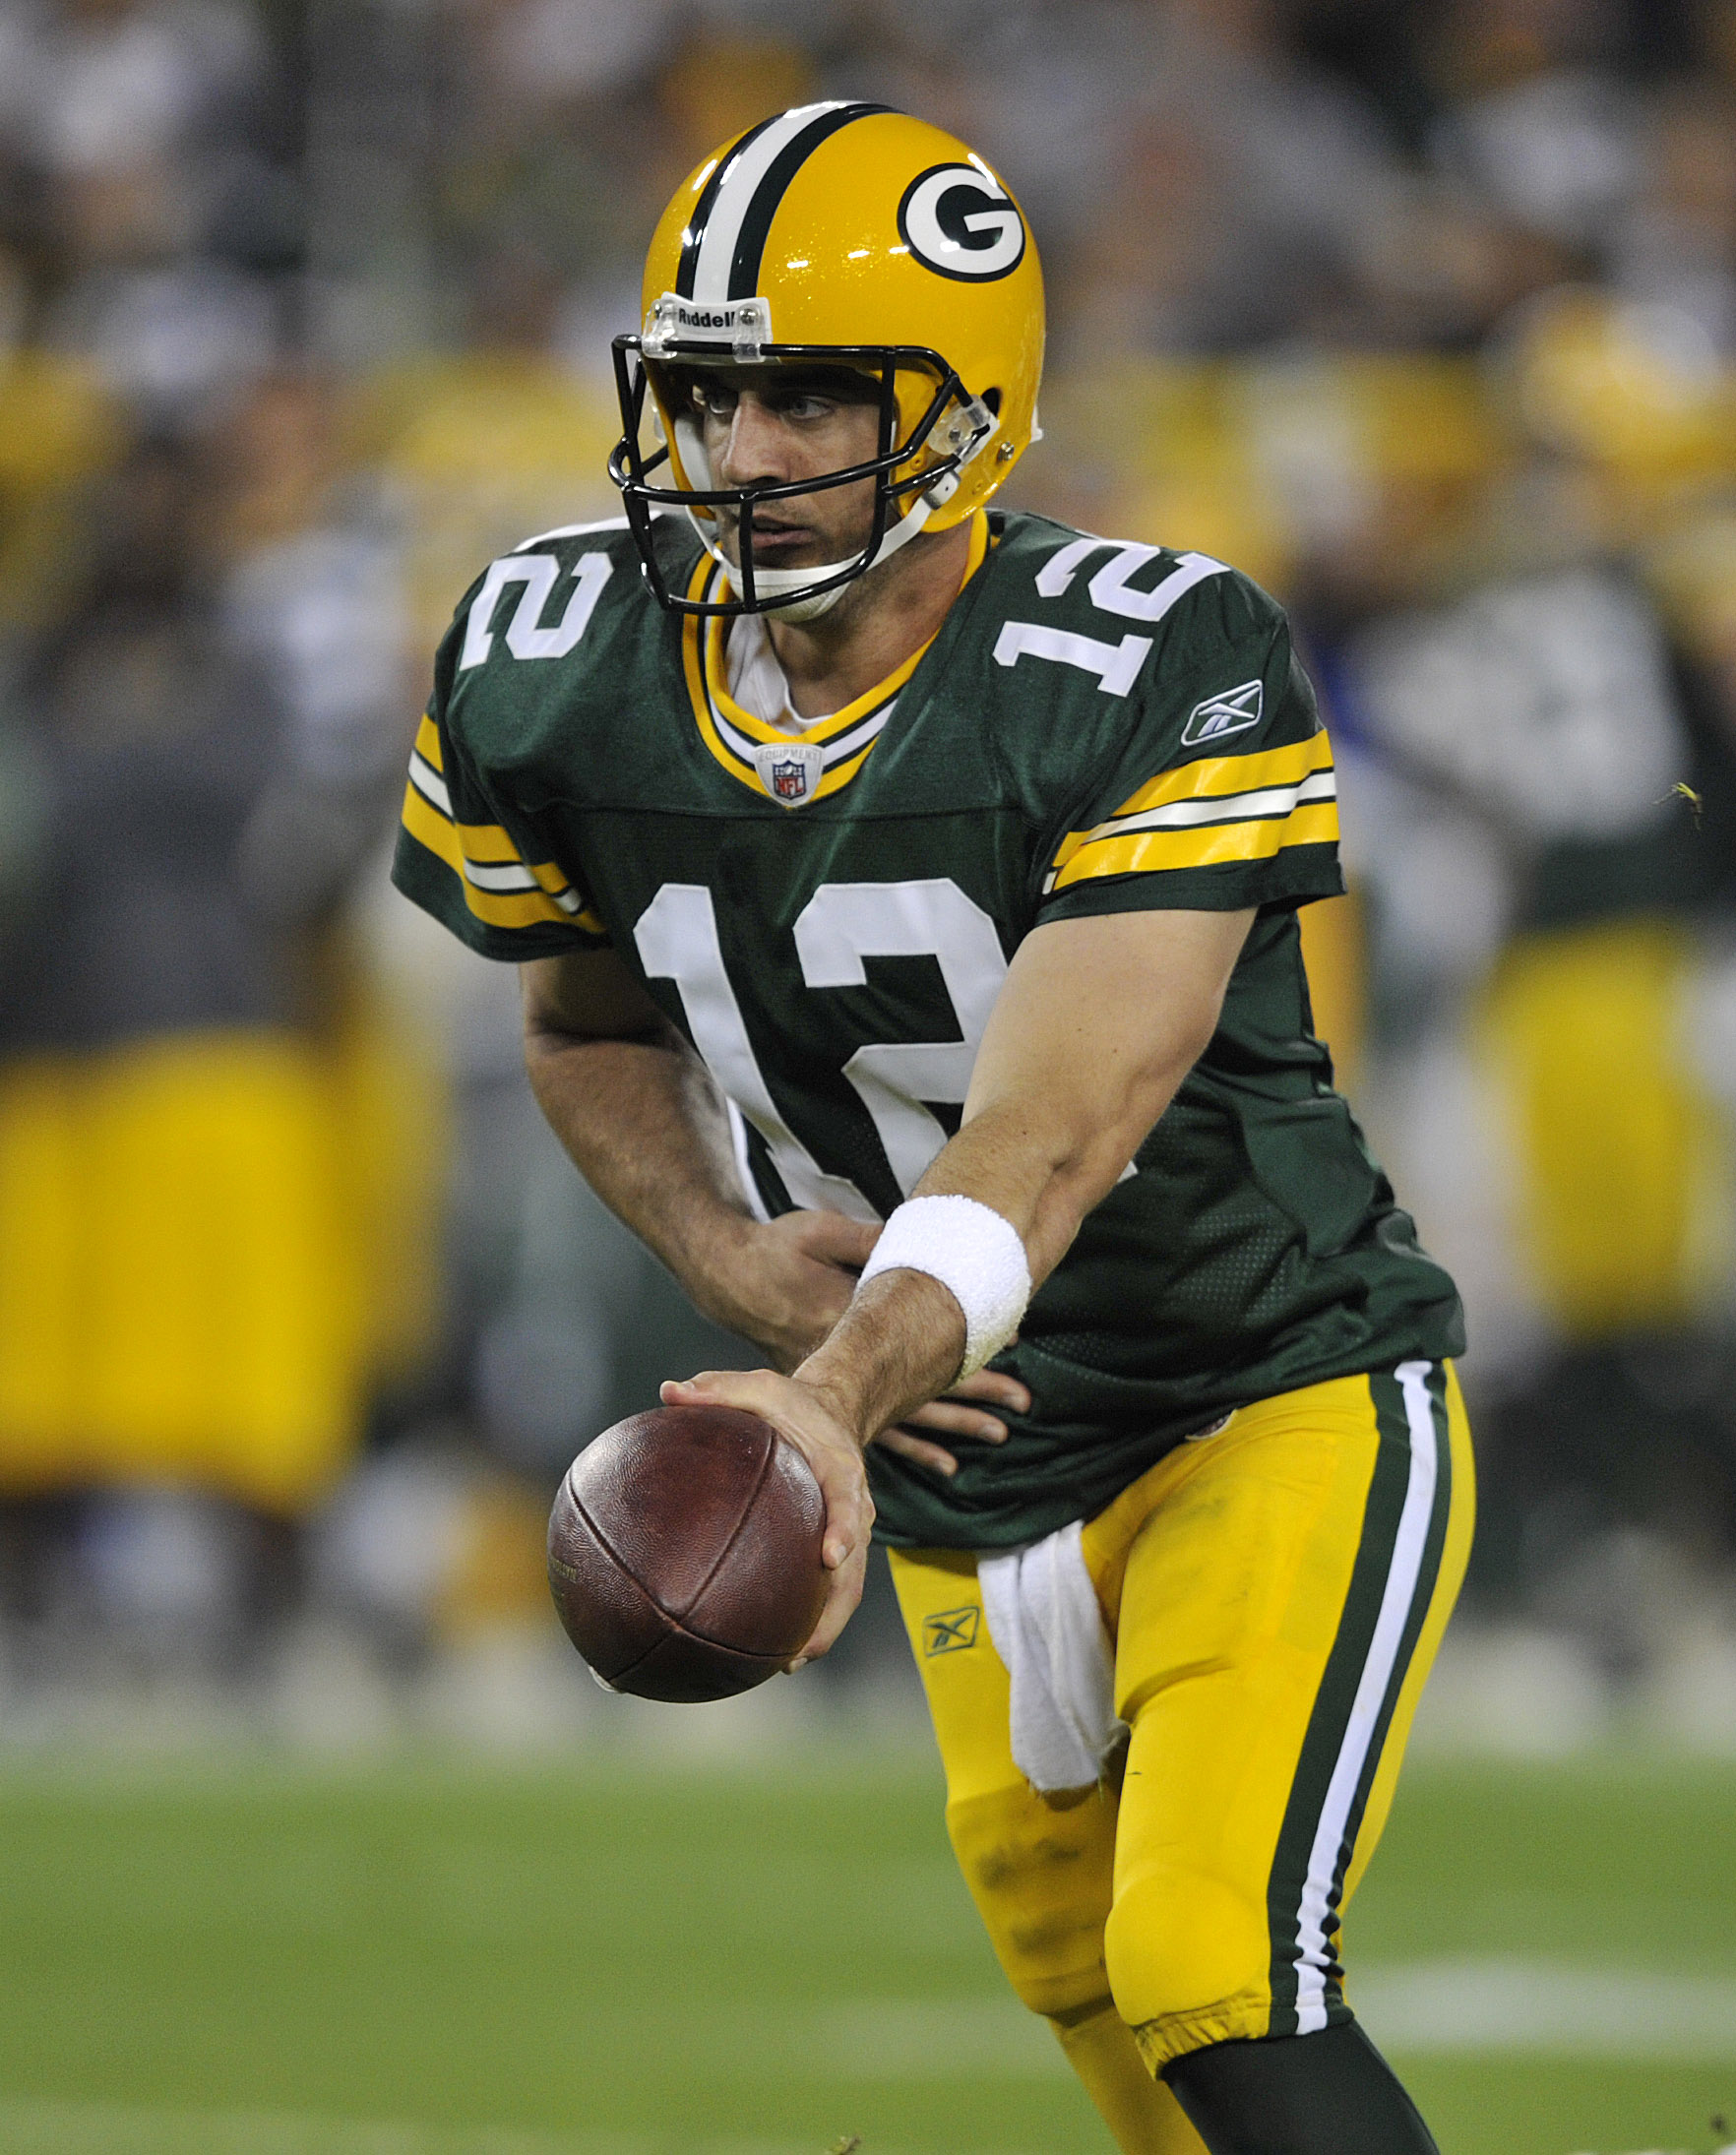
828,917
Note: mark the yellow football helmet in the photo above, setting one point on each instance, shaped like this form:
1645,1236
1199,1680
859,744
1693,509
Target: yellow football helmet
844,235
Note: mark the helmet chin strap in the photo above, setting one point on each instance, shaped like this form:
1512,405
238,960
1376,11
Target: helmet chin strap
770,582
803,602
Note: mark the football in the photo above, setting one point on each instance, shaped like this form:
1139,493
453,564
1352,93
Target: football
684,1552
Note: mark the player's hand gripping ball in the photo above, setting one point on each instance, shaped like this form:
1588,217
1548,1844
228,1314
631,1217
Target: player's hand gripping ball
684,1552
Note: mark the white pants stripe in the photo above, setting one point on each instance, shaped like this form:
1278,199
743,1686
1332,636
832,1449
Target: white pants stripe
1314,1952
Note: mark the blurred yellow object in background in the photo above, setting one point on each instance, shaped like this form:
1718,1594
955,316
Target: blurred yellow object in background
1623,1198
1334,952
1264,460
499,1574
720,84
480,451
1638,389
58,430
390,1100
195,1282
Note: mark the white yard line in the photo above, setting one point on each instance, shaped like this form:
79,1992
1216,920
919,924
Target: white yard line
1548,2008
949,2038
1510,2007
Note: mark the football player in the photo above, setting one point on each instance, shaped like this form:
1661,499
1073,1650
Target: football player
907,897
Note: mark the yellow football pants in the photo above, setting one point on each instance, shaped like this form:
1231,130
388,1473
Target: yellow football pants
1275,1595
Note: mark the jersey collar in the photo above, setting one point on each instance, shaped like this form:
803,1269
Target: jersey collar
788,768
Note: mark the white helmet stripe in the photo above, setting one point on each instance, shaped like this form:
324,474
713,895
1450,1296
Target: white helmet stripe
742,180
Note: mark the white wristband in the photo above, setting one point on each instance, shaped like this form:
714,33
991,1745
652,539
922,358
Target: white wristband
976,1255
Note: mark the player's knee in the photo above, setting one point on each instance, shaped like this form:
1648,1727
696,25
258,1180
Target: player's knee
1182,1947
1040,1876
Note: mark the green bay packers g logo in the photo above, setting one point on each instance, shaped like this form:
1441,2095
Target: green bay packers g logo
950,1631
958,221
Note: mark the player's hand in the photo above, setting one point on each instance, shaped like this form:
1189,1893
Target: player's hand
796,1411
793,1283
956,1414
788,1282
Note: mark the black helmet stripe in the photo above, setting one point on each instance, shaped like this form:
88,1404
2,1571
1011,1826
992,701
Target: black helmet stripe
694,234
726,234
750,244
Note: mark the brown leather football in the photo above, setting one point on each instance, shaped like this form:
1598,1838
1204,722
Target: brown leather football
684,1552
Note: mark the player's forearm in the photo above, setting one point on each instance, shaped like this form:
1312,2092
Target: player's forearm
1098,1023
1044,1168
1080,1059
898,1346
645,1127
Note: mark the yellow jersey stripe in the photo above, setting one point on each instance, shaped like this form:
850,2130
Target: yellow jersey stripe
428,743
693,666
484,844
1233,774
1313,822
488,845
840,775
450,842
1219,788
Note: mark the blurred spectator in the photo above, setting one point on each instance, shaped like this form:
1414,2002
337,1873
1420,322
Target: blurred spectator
552,51
1539,120
1540,796
140,122
137,85
1675,247
313,591
182,1291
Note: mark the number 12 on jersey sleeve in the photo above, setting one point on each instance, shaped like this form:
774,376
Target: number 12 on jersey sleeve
1116,665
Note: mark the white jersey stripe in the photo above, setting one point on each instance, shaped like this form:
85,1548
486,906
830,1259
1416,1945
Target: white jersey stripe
736,742
747,169
429,783
1264,803
499,875
1314,1954
843,745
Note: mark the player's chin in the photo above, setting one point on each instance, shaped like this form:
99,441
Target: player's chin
798,551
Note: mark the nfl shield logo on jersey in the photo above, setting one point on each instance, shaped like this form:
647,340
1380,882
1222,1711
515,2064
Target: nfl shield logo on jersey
790,771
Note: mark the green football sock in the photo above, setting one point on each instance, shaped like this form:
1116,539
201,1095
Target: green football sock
1326,2094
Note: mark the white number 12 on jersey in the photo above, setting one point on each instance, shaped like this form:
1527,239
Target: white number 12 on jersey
841,925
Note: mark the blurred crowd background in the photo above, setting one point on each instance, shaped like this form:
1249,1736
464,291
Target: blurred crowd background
1424,314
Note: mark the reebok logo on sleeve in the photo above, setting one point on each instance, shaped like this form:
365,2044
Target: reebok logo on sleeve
1219,716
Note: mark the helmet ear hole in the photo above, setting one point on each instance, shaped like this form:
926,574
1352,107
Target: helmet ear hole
992,399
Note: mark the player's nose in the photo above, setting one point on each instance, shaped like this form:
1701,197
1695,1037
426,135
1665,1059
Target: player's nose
758,446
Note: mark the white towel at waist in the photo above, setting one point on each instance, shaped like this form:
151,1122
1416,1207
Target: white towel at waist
1047,1628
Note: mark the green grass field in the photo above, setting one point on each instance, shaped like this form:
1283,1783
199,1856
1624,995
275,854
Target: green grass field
434,1959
